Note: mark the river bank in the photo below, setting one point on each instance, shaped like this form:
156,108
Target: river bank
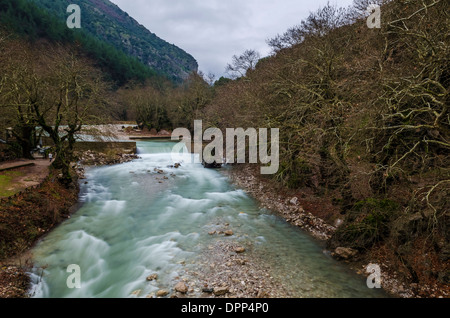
228,267
36,213
25,219
301,208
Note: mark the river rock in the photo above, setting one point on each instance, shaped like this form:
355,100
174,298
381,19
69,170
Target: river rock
220,291
240,261
162,293
344,253
208,290
181,288
228,232
239,250
152,277
294,201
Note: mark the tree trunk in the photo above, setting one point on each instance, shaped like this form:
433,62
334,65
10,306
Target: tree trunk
25,139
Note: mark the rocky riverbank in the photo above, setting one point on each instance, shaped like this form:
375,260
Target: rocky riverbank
226,269
289,205
50,205
92,158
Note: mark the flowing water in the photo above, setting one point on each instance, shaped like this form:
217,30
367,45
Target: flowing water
146,217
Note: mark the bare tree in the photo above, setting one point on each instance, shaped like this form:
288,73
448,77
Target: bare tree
70,91
18,91
318,23
240,65
52,88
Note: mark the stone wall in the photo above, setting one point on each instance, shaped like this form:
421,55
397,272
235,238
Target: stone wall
122,147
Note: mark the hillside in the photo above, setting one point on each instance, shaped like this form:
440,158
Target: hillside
364,129
109,23
24,20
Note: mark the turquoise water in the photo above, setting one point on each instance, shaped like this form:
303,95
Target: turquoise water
136,221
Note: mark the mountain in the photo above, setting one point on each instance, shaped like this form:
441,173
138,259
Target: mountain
26,20
107,22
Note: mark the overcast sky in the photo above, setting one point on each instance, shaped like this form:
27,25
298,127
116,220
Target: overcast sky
212,31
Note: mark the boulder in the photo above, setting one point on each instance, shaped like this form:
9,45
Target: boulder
344,253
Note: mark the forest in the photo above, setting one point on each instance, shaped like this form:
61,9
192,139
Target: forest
364,122
104,21
27,20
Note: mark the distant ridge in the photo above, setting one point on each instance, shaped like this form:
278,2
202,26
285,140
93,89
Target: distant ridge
106,21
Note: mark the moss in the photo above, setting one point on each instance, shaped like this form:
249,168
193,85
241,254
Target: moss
5,182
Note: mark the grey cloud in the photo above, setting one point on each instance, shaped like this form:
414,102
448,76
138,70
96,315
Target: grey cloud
214,30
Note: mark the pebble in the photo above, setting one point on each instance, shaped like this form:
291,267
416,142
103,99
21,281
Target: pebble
220,291
181,288
208,290
152,277
162,293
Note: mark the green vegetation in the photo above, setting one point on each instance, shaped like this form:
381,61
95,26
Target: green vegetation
27,19
5,182
106,22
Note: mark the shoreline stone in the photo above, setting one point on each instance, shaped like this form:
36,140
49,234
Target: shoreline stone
181,287
162,293
288,207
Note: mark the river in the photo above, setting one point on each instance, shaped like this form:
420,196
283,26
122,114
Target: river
147,217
